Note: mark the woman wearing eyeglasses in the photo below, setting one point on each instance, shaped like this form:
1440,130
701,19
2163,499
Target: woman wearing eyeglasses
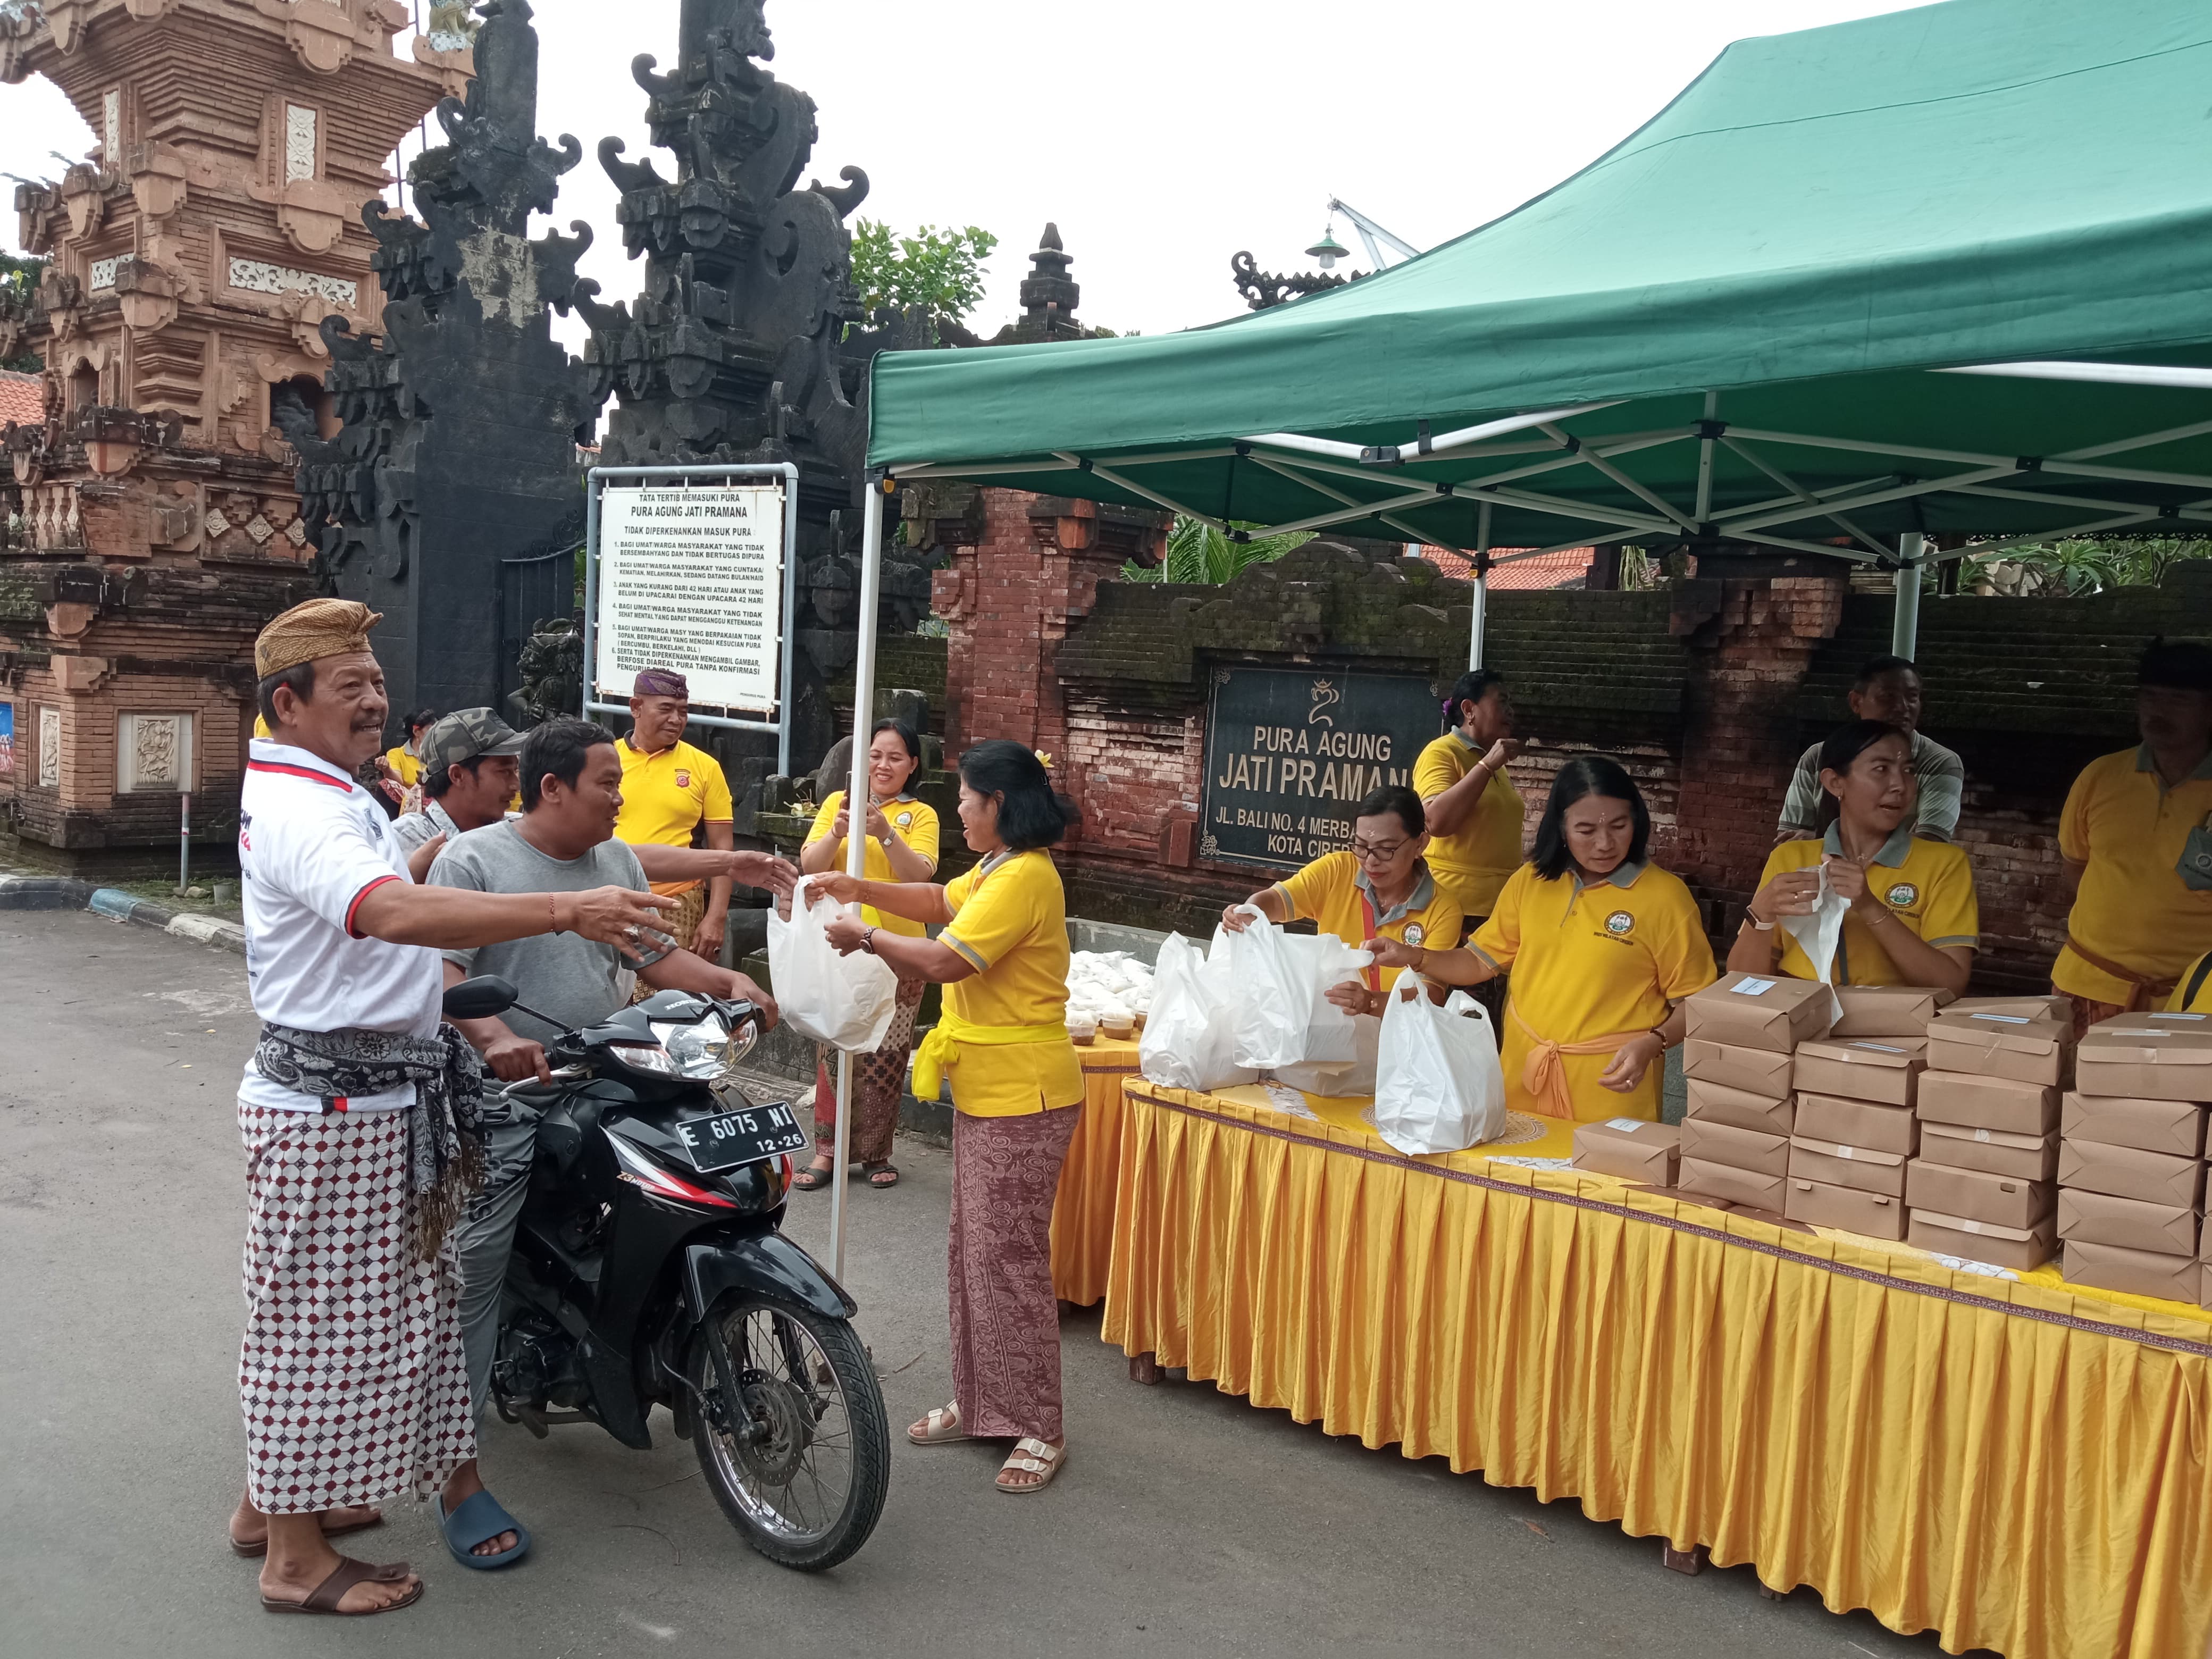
1378,888
1603,945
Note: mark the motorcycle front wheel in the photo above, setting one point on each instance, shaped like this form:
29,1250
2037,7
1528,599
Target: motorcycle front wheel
801,1459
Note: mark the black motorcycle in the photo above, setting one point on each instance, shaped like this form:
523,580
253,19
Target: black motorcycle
648,1268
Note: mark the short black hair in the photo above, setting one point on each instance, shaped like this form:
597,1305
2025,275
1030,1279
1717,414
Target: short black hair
420,718
1395,798
1587,774
300,676
906,736
437,780
1471,687
1029,814
2175,665
559,747
1874,668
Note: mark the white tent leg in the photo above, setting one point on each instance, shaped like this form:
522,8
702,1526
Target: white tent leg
856,843
1905,628
1481,591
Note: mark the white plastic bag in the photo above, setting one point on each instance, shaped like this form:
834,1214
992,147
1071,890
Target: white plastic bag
1338,1078
1821,934
1438,1086
844,1001
1280,982
1190,1036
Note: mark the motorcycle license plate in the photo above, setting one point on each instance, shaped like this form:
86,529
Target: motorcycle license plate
729,1138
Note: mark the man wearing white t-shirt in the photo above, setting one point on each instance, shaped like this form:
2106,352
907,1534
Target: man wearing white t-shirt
363,1136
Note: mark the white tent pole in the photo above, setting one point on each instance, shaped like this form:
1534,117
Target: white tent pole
1905,628
1704,510
1481,589
856,823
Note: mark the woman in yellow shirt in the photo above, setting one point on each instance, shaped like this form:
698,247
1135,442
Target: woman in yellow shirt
901,848
402,769
1913,917
1016,1091
1474,812
1603,946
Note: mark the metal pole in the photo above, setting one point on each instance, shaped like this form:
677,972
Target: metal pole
592,489
1905,628
856,819
790,616
1481,589
185,843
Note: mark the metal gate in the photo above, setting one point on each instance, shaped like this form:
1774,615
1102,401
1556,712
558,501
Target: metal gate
531,591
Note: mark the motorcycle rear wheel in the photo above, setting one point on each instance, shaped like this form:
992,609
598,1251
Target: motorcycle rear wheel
801,1461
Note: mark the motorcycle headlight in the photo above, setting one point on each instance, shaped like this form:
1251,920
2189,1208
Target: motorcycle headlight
645,1057
699,1049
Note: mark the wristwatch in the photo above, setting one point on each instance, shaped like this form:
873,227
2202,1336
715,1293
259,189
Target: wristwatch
868,941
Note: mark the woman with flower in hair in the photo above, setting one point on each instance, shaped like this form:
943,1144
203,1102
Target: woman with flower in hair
1017,1088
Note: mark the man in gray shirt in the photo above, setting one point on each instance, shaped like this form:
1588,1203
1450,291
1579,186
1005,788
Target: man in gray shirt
564,841
1887,690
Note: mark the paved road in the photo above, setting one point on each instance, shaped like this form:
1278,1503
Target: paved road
1185,1518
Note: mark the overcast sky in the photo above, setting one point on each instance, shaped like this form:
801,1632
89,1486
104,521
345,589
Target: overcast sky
1163,136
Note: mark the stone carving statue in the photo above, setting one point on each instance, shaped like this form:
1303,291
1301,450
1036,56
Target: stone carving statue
456,458
746,342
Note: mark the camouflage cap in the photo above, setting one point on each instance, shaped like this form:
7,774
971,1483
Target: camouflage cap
467,734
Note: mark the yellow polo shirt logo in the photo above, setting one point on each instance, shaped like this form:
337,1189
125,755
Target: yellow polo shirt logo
905,819
1904,895
1415,932
683,780
1621,924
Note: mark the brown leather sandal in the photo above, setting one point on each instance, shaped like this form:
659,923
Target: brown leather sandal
255,1550
325,1596
881,1175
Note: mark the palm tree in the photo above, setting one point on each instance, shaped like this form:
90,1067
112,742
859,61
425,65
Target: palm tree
1198,554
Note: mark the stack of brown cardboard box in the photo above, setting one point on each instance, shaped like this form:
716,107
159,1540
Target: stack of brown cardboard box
1633,1148
1983,1186
2131,1166
1855,1126
1742,1034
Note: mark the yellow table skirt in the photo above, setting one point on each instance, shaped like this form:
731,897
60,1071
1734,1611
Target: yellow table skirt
2017,1465
1083,1212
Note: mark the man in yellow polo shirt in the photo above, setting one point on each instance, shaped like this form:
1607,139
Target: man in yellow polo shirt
669,789
2136,837
1380,887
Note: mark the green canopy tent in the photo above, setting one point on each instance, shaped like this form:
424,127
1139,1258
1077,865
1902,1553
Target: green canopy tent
1947,270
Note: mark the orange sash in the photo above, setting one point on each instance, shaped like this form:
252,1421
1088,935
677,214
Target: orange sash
1542,1075
2142,992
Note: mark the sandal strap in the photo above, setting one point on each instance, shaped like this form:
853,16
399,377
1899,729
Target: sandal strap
1028,1450
327,1595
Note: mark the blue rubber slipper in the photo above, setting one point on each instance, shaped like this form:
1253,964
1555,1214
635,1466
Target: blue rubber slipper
479,1519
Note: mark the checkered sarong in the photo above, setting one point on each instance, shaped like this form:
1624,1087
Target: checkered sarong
351,1376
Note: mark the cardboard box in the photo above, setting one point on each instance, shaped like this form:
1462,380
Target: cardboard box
1987,1103
1989,1044
1718,1103
1839,1165
2030,1157
2018,1247
1977,1195
1711,1142
1754,1071
1874,1215
1858,1123
1744,1187
2101,1219
2139,1272
2132,1057
1632,1148
2130,1172
1883,1069
2204,1295
1761,1011
2043,1007
1886,1010
2157,1125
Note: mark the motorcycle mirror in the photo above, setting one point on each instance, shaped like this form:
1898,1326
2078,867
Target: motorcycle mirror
479,998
